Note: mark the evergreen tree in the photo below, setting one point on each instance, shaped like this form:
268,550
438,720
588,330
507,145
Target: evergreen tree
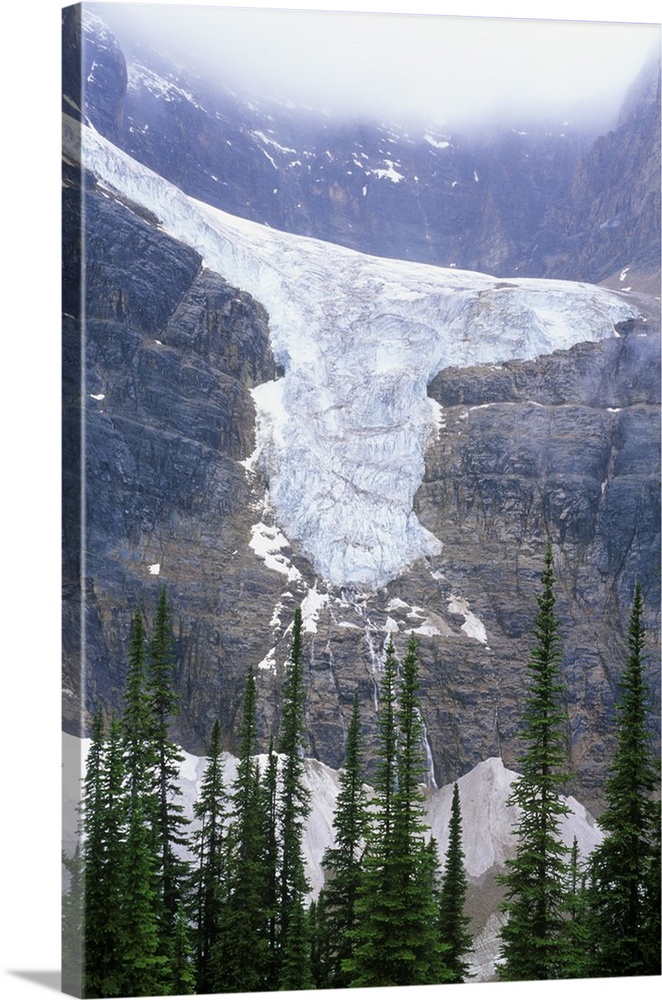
293,810
210,878
337,919
181,969
575,938
386,781
417,952
169,822
624,894
453,922
138,718
103,859
270,836
143,966
535,879
295,964
396,941
365,966
323,947
93,831
241,955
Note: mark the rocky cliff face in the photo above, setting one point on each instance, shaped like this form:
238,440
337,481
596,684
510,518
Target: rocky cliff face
171,352
565,446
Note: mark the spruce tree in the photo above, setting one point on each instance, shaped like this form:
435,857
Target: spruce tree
241,954
271,839
364,966
181,968
575,937
104,811
343,863
144,961
416,952
169,822
143,967
138,719
396,940
323,947
209,881
535,879
453,922
295,964
624,893
94,845
293,810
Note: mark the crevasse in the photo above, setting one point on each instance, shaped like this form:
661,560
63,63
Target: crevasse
342,436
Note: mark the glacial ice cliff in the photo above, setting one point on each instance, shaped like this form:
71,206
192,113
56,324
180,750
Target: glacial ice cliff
342,435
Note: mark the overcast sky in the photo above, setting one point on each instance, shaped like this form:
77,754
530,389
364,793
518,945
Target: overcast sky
401,65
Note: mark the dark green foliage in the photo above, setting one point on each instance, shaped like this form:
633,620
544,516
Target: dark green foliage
295,962
143,965
169,822
386,778
323,945
452,920
241,952
575,941
536,878
624,892
343,863
103,811
269,796
181,970
138,718
396,939
373,909
294,797
209,882
385,917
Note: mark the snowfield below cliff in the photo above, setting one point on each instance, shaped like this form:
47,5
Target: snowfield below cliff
342,436
487,822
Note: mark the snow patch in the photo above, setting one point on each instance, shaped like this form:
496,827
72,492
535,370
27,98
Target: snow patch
395,604
155,569
389,172
437,143
268,541
269,661
472,625
311,606
427,628
488,823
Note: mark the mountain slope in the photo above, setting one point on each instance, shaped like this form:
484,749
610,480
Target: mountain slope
524,198
489,482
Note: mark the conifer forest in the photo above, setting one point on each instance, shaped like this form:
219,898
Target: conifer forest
159,903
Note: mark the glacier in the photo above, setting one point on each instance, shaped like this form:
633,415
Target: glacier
342,436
